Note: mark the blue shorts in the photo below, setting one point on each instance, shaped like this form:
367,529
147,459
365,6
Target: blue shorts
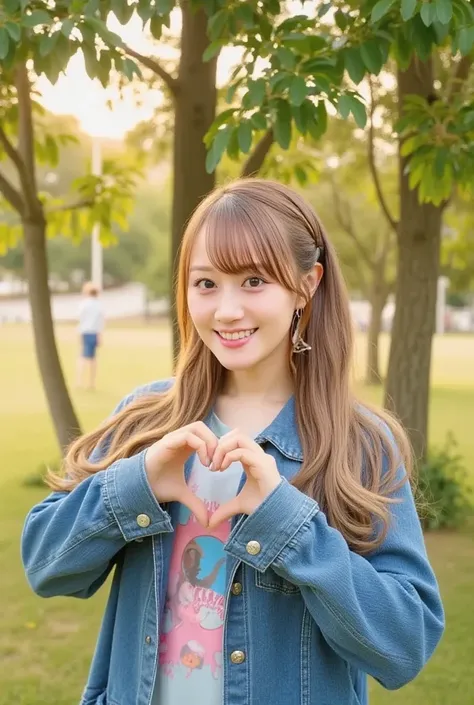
89,345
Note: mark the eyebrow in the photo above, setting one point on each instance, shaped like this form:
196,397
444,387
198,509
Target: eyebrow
201,268
207,268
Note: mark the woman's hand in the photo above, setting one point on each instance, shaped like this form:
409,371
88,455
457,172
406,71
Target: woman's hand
164,464
260,468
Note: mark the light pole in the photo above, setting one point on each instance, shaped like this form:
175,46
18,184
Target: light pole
96,247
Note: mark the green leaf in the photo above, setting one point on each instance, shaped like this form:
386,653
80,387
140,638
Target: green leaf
301,116
408,9
66,27
344,106
322,116
282,127
218,148
156,27
358,111
4,43
233,145
354,65
444,10
213,49
47,43
298,90
104,67
14,30
301,175
37,17
428,13
341,20
221,119
286,58
371,56
244,13
380,9
465,39
229,97
164,7
11,6
256,92
145,10
440,162
217,24
259,121
51,150
130,68
122,10
90,60
280,81
245,136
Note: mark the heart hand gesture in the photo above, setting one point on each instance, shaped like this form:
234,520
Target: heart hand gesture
164,463
260,468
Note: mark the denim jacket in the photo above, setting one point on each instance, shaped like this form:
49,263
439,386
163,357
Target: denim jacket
308,616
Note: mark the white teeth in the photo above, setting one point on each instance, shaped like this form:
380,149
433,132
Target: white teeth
239,335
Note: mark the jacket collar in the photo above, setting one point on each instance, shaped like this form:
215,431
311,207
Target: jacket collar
283,432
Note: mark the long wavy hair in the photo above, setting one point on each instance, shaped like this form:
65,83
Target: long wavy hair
352,454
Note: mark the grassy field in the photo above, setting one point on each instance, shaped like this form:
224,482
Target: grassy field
46,645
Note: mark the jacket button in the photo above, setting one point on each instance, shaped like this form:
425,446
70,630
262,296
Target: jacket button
237,657
253,547
143,520
148,639
236,589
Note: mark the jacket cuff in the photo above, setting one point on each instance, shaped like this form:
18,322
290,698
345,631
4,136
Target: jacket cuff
130,499
258,539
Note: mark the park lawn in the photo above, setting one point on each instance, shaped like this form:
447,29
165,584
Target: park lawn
46,645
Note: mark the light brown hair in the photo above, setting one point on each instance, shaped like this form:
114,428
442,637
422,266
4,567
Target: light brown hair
345,445
90,289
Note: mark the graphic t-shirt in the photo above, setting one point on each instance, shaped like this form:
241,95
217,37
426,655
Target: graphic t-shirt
190,651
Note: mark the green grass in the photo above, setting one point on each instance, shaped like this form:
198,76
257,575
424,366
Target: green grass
46,645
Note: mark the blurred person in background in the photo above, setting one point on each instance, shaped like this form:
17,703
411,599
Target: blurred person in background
91,325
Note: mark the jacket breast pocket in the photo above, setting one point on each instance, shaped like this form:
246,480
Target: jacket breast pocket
272,582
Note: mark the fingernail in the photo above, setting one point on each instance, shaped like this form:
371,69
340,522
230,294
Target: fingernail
211,466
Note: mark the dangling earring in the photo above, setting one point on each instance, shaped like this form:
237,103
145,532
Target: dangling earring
299,345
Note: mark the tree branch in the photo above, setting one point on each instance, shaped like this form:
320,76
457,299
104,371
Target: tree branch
256,158
347,225
86,203
154,66
373,169
11,194
10,150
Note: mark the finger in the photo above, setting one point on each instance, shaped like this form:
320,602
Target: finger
228,443
200,429
180,439
243,455
196,506
224,512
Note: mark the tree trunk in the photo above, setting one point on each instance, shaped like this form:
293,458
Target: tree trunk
66,424
195,111
419,237
378,299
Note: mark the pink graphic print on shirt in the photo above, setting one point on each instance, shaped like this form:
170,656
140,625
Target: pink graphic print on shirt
194,612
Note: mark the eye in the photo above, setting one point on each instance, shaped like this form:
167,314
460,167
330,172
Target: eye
205,284
254,282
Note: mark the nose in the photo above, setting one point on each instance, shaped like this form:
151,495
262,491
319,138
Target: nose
229,307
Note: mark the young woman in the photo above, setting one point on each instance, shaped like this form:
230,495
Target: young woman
259,519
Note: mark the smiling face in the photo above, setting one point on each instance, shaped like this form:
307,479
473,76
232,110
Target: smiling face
243,317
